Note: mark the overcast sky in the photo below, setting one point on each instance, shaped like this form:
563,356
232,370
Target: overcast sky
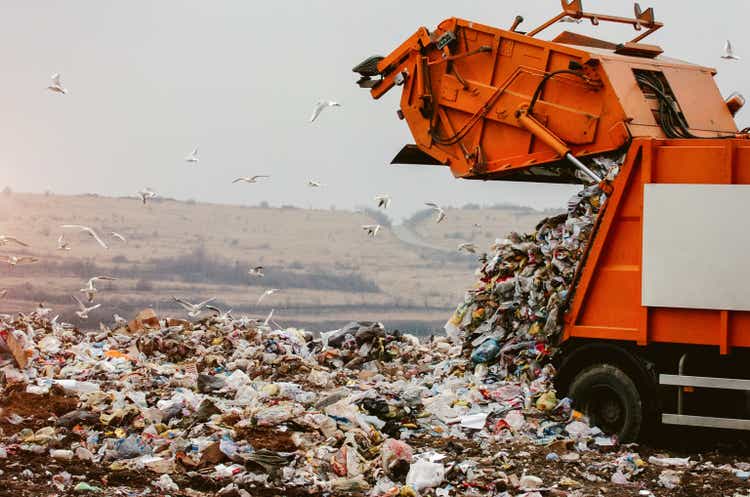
149,80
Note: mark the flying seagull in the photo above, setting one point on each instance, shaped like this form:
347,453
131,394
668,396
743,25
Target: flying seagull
268,318
267,293
468,247
193,309
220,316
146,194
62,243
193,157
250,179
56,86
322,104
256,271
3,293
90,290
83,311
371,229
42,311
314,184
729,52
438,209
88,230
115,234
383,200
13,260
5,239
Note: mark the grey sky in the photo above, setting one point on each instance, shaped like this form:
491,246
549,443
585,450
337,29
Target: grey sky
149,80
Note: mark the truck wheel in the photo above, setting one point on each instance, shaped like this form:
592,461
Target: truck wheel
610,399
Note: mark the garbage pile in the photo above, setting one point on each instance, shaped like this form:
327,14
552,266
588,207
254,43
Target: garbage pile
509,322
227,406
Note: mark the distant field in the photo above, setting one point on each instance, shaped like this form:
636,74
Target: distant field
328,270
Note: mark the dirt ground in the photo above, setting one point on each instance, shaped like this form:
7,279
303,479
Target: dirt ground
25,474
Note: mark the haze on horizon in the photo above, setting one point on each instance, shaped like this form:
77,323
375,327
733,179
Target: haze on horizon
149,81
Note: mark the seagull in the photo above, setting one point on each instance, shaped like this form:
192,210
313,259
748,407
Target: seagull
41,310
477,225
371,229
314,184
3,293
250,179
193,157
267,293
438,209
468,247
147,194
322,104
119,320
220,316
193,309
729,52
268,318
88,230
62,243
90,290
5,239
383,200
115,234
13,260
256,271
570,19
56,86
83,311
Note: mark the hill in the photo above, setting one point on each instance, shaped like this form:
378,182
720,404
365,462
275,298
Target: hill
327,269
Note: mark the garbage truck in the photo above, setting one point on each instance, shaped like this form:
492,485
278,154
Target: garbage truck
657,326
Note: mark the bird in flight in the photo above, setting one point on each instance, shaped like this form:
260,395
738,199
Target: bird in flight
115,234
438,209
62,243
267,293
146,194
729,52
90,290
5,239
256,271
383,200
194,310
371,229
320,106
193,157
314,184
83,311
220,316
88,230
13,260
250,179
3,293
56,86
467,247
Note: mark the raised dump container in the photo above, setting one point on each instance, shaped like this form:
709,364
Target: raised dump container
658,325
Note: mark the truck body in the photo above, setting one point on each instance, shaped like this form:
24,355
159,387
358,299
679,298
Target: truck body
659,311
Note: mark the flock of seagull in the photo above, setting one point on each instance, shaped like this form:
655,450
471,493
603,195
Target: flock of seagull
194,310
90,291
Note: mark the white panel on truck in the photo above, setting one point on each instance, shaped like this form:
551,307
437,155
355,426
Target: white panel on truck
696,246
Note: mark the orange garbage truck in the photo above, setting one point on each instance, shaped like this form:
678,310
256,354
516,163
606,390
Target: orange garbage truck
657,328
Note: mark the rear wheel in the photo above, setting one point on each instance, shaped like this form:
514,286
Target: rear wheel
610,399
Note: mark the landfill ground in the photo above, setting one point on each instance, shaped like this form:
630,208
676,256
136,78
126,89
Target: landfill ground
522,458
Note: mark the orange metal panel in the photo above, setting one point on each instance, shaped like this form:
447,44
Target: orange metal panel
606,304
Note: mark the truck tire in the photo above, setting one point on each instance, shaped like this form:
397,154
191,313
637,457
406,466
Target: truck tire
610,399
